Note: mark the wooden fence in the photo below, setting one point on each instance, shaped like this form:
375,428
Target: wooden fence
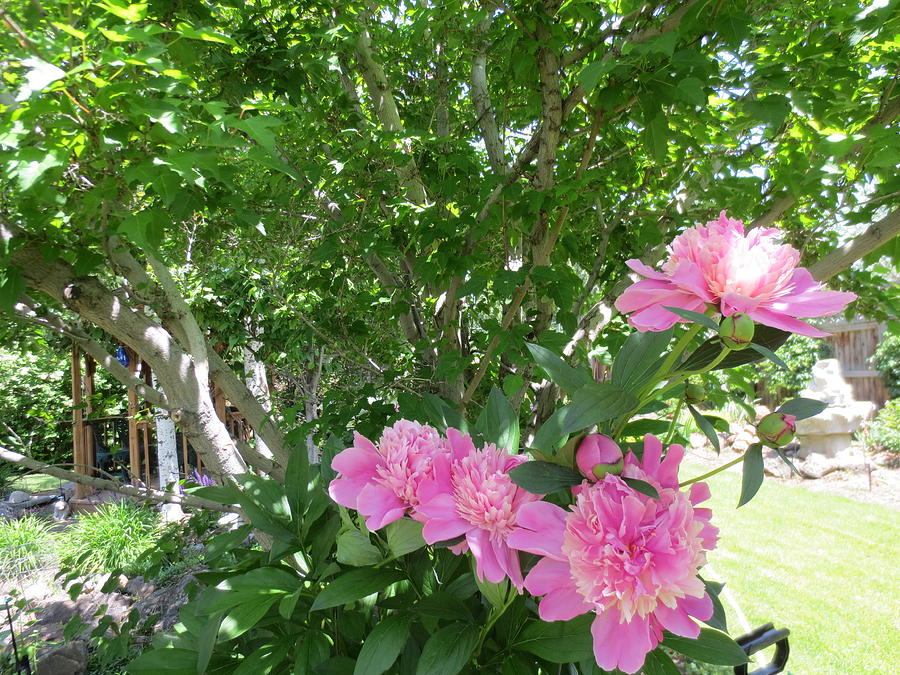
854,344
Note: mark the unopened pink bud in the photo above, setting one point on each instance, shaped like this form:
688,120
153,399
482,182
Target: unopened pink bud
777,429
598,455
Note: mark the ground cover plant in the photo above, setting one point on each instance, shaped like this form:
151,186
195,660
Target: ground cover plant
26,544
112,538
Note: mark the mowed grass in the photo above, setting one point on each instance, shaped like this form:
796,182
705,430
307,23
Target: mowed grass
821,565
35,482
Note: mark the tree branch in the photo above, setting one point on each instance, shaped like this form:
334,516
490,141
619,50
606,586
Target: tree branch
843,257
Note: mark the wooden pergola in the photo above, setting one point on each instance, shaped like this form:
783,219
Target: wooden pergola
141,430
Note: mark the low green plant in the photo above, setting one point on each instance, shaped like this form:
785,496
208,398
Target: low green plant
110,539
884,432
25,544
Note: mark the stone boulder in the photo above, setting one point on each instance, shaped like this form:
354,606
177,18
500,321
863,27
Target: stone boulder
831,431
67,659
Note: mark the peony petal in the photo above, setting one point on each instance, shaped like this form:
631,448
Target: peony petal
622,645
379,505
735,302
689,277
668,470
699,493
676,621
460,444
486,564
547,576
699,608
357,461
562,604
345,491
540,529
785,322
644,270
808,298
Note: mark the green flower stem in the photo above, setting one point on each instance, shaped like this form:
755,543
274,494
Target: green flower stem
673,356
492,619
718,469
674,424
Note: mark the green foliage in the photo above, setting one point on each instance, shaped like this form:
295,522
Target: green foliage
25,544
111,539
887,360
884,430
799,353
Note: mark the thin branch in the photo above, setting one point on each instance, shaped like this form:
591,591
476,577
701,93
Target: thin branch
147,494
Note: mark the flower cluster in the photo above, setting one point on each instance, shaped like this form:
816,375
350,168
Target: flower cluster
630,558
455,489
721,265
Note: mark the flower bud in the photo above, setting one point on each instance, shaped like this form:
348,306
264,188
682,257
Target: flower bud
597,456
737,331
694,393
777,429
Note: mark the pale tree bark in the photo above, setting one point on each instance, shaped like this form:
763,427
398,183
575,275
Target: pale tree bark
257,382
167,462
842,258
187,395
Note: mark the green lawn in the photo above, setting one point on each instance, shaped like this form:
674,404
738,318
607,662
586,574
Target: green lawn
35,482
821,565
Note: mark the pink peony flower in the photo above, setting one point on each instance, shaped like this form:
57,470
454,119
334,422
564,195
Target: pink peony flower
629,558
381,482
472,495
719,264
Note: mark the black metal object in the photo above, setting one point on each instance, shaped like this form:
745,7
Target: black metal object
23,665
759,639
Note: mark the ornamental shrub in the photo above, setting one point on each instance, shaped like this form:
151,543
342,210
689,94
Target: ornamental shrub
887,360
884,432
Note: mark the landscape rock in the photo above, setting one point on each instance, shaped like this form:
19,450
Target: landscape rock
774,466
67,659
18,497
831,431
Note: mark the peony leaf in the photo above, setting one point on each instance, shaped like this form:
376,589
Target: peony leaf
712,646
801,408
753,474
641,486
558,641
448,650
354,585
706,427
542,478
383,645
639,359
499,423
769,354
561,373
694,317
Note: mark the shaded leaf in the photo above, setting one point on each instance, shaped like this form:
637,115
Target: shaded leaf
754,474
542,478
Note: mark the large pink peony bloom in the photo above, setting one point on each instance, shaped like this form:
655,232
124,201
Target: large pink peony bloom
629,558
719,264
472,495
381,482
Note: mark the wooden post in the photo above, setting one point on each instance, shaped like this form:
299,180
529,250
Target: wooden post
134,457
89,449
81,491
